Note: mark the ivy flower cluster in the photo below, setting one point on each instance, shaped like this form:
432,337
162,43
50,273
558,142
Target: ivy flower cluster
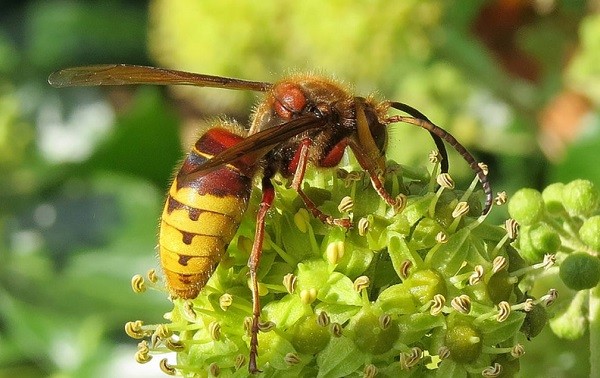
563,223
427,288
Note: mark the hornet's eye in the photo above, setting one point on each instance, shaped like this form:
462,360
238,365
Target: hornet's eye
289,99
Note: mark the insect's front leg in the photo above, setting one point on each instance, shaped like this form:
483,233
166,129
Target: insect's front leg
300,161
268,195
376,175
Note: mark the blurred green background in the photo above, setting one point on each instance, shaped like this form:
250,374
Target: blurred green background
83,171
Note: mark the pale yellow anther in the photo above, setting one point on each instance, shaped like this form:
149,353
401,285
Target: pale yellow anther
441,237
266,326
335,252
503,311
346,204
336,329
444,352
405,267
385,321
499,263
484,168
163,332
370,371
517,351
361,283
188,310
225,301
214,369
240,361
137,284
410,359
492,371
302,220
289,282
550,297
174,345
512,228
214,329
142,355
323,319
308,296
461,209
166,368
434,156
135,330
152,275
501,198
363,226
445,181
528,305
477,275
399,203
292,359
439,301
461,304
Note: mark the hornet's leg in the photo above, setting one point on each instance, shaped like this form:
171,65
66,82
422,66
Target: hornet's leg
268,195
446,136
300,161
369,166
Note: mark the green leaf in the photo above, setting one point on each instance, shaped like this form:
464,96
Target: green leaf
339,289
312,274
356,259
495,332
296,243
286,311
450,369
275,346
449,257
400,252
340,358
414,326
338,313
396,299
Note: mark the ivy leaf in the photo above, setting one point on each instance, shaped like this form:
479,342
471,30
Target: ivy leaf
340,358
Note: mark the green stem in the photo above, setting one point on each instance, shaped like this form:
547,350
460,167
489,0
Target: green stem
594,328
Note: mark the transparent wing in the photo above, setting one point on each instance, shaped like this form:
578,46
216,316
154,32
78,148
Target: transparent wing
123,74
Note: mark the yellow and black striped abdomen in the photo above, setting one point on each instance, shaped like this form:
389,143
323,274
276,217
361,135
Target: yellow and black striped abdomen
201,215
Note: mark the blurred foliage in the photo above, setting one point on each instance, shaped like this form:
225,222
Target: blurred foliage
83,171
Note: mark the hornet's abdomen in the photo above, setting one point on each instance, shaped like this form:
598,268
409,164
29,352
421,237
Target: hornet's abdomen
202,214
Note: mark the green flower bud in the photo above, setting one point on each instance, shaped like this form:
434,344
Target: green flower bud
308,336
590,232
552,196
537,240
464,341
526,206
510,366
581,197
572,323
534,322
369,336
500,286
580,271
424,284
